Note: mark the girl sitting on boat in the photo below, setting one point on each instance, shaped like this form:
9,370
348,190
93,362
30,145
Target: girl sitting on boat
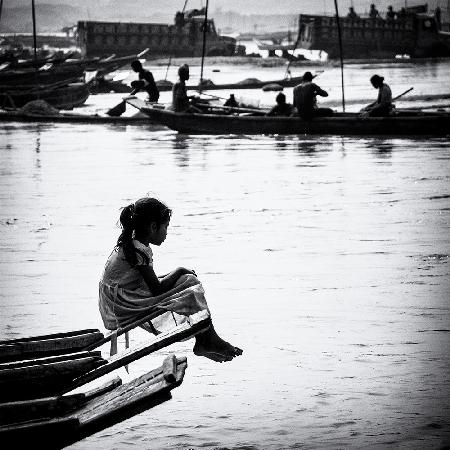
383,105
129,287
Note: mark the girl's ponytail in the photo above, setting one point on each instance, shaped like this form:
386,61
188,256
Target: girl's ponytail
127,221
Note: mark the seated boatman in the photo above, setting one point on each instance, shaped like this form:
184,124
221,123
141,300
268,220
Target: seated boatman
180,99
146,82
383,104
231,101
281,108
305,99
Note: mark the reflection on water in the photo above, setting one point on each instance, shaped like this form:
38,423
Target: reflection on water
326,259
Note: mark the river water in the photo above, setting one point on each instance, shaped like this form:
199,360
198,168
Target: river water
327,259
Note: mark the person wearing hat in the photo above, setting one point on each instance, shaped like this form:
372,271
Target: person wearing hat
305,99
180,100
383,104
146,82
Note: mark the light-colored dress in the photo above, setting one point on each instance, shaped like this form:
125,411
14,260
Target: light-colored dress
124,294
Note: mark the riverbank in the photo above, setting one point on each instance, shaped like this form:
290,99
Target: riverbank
280,62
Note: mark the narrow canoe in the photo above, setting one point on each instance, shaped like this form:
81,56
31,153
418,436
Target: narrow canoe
45,376
406,124
48,345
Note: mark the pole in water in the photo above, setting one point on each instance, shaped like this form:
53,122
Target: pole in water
34,29
340,53
205,25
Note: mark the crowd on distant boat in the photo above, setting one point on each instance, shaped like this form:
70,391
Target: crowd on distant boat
391,15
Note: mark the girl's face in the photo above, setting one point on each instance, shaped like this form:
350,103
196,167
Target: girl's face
158,235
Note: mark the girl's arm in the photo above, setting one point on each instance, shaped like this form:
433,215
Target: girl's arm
157,285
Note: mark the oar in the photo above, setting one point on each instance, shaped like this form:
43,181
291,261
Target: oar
119,109
403,93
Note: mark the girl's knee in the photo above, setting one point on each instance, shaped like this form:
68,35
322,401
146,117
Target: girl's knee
187,278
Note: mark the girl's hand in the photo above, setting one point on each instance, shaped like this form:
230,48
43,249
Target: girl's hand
185,271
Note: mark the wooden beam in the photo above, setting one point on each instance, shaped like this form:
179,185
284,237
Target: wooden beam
47,346
197,323
49,360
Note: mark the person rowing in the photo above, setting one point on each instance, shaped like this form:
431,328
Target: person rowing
146,82
305,99
383,106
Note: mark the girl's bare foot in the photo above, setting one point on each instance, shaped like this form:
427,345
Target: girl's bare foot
212,346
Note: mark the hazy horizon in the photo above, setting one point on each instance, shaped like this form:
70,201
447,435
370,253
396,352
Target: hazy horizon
248,7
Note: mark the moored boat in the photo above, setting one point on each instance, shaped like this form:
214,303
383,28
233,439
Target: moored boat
403,123
55,422
62,97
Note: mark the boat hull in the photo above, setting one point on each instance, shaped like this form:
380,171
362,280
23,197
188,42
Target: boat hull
66,97
339,124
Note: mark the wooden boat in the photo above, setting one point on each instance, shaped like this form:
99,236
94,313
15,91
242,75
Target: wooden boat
45,72
67,96
48,345
274,46
255,122
55,364
55,422
36,404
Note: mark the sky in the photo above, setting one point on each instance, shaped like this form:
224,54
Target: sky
244,7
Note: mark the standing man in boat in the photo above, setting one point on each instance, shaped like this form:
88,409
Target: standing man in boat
146,82
305,99
180,99
383,105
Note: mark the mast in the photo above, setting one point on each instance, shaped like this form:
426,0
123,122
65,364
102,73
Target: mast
205,25
34,29
340,53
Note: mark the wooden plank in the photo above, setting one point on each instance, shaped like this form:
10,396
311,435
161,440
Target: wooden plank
170,368
136,323
130,399
47,407
103,389
51,346
48,434
43,380
50,407
198,322
49,360
49,370
50,336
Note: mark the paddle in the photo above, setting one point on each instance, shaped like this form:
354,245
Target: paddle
403,93
119,109
365,113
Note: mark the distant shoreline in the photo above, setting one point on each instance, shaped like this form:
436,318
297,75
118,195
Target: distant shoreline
279,62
